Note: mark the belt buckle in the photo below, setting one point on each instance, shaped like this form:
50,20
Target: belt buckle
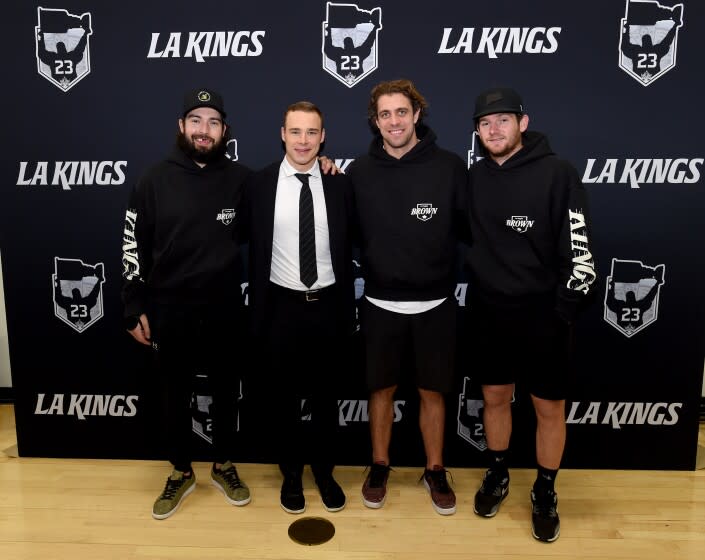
311,295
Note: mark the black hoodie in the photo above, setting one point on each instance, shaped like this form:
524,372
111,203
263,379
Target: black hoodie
531,230
410,212
178,241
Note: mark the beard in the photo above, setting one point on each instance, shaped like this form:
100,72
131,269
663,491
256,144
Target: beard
512,145
198,154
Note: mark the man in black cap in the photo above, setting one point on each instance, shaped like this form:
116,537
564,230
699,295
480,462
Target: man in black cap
182,271
531,268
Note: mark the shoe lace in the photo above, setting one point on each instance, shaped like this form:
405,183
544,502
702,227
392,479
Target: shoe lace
438,480
493,482
378,474
171,488
231,477
545,505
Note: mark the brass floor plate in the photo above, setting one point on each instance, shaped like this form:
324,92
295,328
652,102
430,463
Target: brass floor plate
311,530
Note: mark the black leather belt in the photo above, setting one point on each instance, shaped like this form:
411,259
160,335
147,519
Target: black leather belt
307,296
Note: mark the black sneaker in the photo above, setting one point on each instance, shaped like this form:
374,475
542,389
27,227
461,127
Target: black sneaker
494,489
292,494
332,494
545,523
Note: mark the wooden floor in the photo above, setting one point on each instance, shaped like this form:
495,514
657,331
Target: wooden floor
92,509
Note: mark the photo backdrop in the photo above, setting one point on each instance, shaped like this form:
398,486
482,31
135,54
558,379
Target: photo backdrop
93,99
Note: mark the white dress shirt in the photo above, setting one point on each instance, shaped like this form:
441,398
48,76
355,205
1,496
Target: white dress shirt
285,241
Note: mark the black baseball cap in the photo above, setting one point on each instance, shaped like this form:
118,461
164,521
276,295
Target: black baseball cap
203,97
498,100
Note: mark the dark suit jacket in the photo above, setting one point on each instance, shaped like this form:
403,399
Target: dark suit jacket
258,228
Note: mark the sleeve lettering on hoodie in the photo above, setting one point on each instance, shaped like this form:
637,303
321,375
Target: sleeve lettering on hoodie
130,256
583,273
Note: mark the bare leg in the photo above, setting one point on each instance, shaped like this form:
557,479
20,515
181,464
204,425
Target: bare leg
497,416
381,419
550,432
432,416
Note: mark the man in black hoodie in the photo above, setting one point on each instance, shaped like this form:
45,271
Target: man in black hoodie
531,267
410,197
181,272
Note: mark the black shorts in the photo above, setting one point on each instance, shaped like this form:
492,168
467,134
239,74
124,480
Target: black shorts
423,341
526,344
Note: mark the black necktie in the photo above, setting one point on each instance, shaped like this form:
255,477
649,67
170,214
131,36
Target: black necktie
307,234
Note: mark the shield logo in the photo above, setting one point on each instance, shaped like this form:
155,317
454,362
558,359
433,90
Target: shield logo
226,215
78,292
648,39
305,410
632,295
350,39
474,148
201,413
231,150
424,211
201,417
470,405
520,223
62,46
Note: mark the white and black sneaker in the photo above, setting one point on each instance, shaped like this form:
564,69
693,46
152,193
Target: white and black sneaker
494,489
545,523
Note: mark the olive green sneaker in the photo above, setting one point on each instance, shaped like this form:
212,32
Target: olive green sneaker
176,489
228,482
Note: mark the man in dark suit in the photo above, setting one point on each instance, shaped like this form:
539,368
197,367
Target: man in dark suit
301,297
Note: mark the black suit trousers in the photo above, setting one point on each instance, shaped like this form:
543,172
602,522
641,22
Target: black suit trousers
304,340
